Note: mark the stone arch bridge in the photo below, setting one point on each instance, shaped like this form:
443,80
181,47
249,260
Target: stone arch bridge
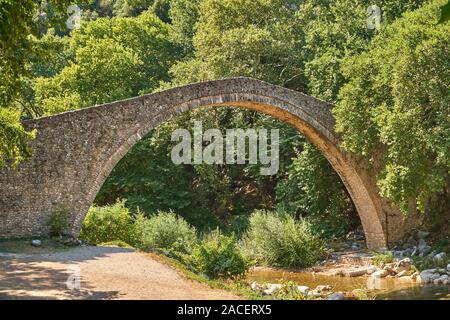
74,152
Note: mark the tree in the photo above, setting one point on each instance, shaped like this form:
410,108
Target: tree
114,59
17,26
397,100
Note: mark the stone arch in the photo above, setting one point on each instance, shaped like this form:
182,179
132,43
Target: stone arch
74,152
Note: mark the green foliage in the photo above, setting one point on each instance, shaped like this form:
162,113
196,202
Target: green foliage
219,256
166,231
280,240
109,223
184,14
383,258
18,28
445,13
13,138
332,32
397,100
427,263
113,59
58,221
313,189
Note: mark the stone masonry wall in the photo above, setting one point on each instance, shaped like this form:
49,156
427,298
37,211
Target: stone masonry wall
74,152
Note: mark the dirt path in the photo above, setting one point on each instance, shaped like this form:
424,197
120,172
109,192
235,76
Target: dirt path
105,273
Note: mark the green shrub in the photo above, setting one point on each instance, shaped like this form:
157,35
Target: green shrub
58,220
384,257
109,223
219,256
280,240
165,230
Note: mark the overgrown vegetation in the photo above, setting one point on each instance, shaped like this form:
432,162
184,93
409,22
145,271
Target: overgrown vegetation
219,256
278,239
110,223
166,231
272,239
383,258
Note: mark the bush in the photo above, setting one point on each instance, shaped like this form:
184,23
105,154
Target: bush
58,221
109,223
219,256
280,240
165,230
385,257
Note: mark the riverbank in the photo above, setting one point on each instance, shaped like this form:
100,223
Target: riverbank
40,271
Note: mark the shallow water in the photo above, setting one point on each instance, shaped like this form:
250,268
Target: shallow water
397,289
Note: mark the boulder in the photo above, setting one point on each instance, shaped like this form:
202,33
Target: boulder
336,296
431,254
36,243
314,294
423,247
255,286
448,267
403,265
401,274
371,269
415,276
379,274
356,272
272,288
440,256
303,290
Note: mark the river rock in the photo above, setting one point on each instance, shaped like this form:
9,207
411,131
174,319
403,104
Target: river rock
356,272
448,267
401,274
322,288
336,296
314,294
440,256
379,274
425,277
272,288
415,275
371,269
36,243
402,265
303,290
423,247
441,279
428,276
255,286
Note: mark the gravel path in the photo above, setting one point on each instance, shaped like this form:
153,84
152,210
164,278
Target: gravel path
101,273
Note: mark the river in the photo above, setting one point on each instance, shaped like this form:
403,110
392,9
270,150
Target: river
379,289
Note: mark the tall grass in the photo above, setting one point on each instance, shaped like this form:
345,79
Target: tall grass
279,239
